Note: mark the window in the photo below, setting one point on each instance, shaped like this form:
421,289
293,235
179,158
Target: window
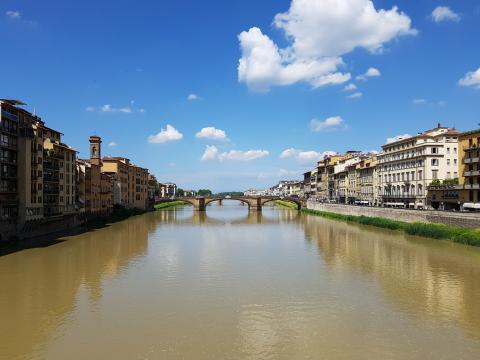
434,162
454,150
434,174
434,150
454,161
448,150
449,175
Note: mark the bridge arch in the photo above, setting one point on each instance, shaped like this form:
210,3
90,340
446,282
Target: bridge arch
242,200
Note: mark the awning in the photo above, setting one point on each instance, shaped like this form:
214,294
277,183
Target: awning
471,206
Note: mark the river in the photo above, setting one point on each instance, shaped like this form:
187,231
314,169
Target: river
226,284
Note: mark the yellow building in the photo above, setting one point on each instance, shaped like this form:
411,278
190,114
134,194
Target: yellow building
469,162
38,171
464,192
130,182
366,184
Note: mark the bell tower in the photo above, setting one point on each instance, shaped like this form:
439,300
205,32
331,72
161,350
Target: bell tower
95,150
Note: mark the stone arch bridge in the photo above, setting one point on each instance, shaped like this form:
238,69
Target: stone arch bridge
254,203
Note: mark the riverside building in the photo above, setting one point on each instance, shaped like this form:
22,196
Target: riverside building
38,172
464,192
406,167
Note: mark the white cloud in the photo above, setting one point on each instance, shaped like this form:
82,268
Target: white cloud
355,95
329,124
212,153
397,138
211,133
419,101
444,13
371,72
304,156
165,135
13,14
350,87
108,108
112,144
319,32
193,97
471,79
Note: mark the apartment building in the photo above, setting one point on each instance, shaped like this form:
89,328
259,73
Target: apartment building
307,187
406,167
344,178
129,182
366,182
322,180
9,134
38,171
469,167
463,193
168,189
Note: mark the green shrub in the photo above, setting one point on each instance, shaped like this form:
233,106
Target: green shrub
165,205
434,231
286,203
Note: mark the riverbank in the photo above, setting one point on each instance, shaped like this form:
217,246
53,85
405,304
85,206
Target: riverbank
433,231
286,204
170,204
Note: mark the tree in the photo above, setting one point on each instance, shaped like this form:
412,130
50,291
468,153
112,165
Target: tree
180,192
204,192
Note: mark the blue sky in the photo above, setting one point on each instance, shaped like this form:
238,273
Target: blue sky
125,69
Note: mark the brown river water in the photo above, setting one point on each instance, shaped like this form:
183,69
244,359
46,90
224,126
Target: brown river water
227,284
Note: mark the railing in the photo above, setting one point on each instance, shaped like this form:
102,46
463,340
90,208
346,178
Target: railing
471,160
471,173
472,186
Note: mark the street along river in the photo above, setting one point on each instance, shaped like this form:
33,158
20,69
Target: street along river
226,284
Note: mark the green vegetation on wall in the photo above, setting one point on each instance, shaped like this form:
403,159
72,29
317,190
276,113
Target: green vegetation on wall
434,231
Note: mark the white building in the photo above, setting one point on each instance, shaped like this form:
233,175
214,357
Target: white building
407,166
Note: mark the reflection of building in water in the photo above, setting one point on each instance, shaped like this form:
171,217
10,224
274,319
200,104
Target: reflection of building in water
426,276
42,285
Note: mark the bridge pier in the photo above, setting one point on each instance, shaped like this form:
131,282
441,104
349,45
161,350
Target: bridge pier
199,204
255,204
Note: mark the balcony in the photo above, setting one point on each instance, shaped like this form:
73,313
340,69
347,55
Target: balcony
404,196
470,147
47,178
471,160
472,186
51,166
471,173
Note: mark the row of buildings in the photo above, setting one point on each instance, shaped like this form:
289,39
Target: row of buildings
43,181
286,188
437,168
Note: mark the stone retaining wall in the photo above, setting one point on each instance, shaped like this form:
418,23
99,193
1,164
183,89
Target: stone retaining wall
460,219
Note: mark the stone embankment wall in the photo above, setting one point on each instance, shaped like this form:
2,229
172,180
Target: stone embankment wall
460,219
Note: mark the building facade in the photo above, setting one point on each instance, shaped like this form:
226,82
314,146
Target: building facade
406,167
